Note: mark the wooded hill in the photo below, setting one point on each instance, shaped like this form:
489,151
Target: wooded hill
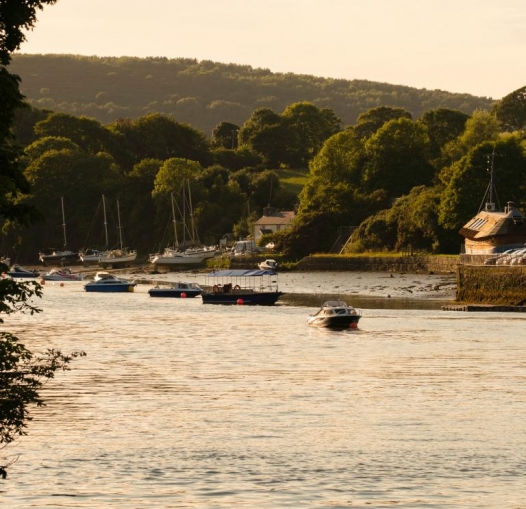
205,93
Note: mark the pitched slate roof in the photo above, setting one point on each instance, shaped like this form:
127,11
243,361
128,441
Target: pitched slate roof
488,224
277,217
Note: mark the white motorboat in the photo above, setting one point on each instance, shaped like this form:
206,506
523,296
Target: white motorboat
102,275
268,264
335,314
181,290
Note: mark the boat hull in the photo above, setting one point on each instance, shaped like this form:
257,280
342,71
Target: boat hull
170,261
115,261
23,274
58,258
92,256
110,288
173,292
248,299
62,278
335,322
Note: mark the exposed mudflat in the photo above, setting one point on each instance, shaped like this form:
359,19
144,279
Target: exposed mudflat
426,286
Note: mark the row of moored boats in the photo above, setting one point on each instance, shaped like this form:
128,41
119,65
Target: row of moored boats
234,287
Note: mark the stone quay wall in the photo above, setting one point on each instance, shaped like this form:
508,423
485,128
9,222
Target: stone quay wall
505,285
410,264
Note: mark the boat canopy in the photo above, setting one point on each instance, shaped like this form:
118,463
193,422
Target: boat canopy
242,273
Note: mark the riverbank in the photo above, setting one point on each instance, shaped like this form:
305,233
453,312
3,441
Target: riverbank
415,264
371,277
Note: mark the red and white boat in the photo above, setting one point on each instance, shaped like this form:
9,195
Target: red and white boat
62,275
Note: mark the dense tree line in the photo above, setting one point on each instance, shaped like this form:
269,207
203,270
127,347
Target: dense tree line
373,174
405,183
205,93
399,180
140,163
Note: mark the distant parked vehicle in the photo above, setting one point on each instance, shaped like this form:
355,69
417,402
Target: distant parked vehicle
493,259
516,257
505,257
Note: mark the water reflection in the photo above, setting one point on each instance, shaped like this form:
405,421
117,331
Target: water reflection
180,404
362,301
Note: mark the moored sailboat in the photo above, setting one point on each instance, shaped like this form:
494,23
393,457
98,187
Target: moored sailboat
181,254
60,255
93,255
120,256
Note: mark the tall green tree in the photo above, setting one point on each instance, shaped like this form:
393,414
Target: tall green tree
332,197
157,136
139,205
469,179
443,126
78,177
89,134
224,135
220,203
397,158
410,223
43,145
480,127
370,121
511,110
174,174
265,133
22,373
309,128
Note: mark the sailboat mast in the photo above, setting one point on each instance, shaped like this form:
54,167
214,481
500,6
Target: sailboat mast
63,222
184,217
105,222
193,233
491,181
176,241
119,227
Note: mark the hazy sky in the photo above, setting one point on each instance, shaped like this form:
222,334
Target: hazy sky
470,46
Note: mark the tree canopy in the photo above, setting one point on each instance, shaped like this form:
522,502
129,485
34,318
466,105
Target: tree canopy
22,373
204,93
511,110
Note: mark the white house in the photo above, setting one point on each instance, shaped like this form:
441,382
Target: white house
272,221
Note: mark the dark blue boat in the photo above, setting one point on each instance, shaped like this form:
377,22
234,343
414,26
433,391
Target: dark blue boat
18,272
242,287
110,283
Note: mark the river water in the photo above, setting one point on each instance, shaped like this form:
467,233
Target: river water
183,405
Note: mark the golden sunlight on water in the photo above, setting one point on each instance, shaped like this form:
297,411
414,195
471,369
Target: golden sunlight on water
180,404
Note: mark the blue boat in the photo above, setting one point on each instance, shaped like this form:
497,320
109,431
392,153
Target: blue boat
17,272
242,287
110,283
